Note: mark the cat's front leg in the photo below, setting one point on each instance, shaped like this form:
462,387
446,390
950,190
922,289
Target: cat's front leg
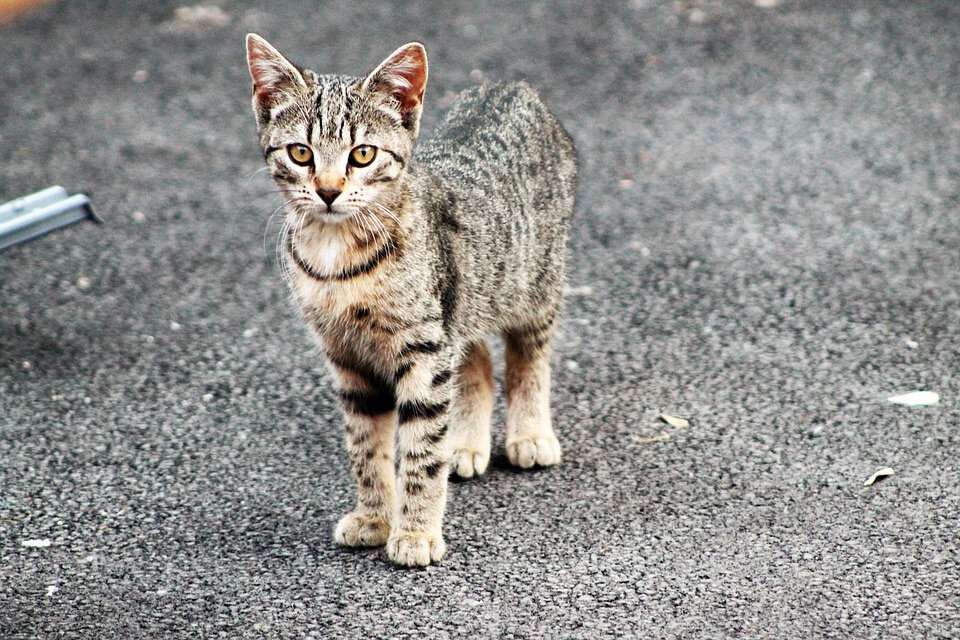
370,419
424,396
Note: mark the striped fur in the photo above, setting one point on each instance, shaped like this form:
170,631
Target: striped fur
419,259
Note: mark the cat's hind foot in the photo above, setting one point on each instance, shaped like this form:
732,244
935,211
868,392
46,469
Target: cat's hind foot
361,530
533,450
415,548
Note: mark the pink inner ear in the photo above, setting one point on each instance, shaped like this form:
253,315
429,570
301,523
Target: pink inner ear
270,73
405,76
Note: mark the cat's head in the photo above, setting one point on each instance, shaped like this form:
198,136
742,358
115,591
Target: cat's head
337,145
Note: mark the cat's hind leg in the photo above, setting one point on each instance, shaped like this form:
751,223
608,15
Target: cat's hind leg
530,438
472,412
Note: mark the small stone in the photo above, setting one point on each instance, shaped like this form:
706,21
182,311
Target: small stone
51,589
26,365
697,16
87,400
37,543
140,76
879,474
585,290
572,365
674,421
83,283
138,216
625,183
916,399
162,592
476,76
87,559
912,344
766,4
208,397
199,17
636,245
249,333
175,326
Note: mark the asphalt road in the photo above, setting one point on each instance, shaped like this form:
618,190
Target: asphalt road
766,243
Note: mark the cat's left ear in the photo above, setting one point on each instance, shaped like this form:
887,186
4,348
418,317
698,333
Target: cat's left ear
403,75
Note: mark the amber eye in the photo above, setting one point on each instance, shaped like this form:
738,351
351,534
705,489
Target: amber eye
300,153
363,155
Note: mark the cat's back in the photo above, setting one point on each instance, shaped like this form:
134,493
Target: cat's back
497,135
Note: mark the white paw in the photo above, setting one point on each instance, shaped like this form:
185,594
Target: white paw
415,548
533,450
467,463
360,530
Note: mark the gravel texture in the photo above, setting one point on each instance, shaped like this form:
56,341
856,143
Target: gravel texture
766,244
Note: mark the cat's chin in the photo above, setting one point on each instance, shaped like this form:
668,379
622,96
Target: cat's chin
333,217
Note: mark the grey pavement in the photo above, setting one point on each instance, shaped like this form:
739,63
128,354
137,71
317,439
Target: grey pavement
767,242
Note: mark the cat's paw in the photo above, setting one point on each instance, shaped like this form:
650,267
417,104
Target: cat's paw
534,450
467,463
415,548
361,530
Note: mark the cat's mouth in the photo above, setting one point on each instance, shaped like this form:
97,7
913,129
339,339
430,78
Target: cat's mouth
325,215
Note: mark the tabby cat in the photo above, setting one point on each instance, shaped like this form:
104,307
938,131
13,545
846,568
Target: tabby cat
404,263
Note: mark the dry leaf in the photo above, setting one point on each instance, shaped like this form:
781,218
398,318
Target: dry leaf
916,399
877,475
674,421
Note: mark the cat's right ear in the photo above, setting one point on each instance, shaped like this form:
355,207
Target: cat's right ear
275,79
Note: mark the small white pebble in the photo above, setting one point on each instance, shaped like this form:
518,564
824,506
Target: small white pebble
584,290
38,543
476,75
766,4
87,400
208,397
674,421
56,397
83,283
51,589
199,16
913,344
571,365
916,398
636,245
625,183
149,339
139,216
140,76
26,365
883,472
249,333
175,326
697,16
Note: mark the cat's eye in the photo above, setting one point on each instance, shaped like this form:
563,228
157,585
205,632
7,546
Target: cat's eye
300,153
363,155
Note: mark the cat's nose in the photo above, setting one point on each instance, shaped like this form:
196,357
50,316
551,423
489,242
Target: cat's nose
328,195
